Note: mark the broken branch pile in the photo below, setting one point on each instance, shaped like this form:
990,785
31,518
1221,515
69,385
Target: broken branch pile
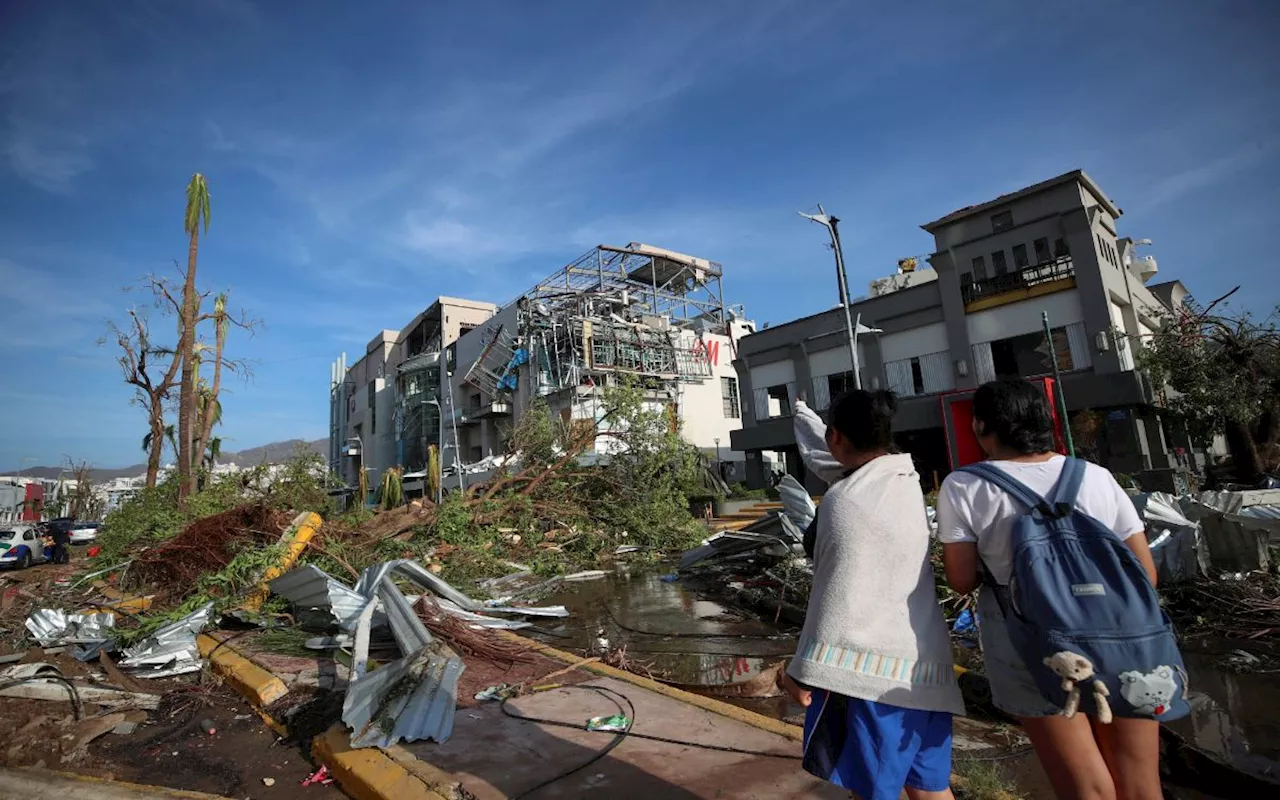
176,568
1237,609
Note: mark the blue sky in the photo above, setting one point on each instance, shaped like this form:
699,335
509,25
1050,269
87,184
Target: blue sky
365,158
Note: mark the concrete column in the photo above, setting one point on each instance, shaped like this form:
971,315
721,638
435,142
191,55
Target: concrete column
953,314
1095,300
756,478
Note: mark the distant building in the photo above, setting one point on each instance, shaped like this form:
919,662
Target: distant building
1053,247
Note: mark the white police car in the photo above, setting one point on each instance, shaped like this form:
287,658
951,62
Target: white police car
20,547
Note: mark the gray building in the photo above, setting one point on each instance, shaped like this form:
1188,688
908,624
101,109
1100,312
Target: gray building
976,315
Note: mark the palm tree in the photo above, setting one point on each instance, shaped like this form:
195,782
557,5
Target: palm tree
197,215
209,408
170,437
213,454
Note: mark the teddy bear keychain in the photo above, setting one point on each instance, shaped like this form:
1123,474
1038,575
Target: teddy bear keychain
1074,669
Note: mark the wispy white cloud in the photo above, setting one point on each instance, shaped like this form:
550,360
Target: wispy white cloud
1177,185
50,162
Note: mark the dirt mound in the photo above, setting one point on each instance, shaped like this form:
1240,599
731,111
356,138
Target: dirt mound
206,546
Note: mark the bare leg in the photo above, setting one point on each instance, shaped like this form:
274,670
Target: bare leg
1071,757
1131,748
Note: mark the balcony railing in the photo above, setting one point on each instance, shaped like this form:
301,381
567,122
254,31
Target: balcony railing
1025,278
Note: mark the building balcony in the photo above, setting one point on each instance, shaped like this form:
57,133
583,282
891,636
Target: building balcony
492,410
1040,279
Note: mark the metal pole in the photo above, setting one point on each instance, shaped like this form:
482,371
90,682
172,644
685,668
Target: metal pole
830,223
1057,386
850,326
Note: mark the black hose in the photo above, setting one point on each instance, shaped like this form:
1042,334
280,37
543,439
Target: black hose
617,739
620,735
77,707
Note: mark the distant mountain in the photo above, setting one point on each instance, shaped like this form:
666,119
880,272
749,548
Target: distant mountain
273,453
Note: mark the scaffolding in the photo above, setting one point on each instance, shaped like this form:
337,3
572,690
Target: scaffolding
637,309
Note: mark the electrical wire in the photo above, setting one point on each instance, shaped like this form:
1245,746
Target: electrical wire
77,707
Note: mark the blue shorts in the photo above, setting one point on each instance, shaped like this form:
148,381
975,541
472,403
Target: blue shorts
875,749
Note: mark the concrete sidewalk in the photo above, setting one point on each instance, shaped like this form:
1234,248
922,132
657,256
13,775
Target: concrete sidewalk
495,756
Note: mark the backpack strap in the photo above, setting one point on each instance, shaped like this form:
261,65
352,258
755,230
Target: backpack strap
1015,488
1068,486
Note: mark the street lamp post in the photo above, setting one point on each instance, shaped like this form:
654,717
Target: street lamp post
830,223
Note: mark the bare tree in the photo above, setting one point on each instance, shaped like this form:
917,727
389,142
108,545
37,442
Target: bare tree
84,503
151,369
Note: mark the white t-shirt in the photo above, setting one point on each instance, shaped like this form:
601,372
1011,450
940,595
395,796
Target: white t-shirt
971,509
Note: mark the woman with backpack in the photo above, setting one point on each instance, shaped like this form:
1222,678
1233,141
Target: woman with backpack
873,666
1071,543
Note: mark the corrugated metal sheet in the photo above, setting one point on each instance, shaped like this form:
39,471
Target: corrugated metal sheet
416,696
51,626
311,587
173,645
410,634
796,502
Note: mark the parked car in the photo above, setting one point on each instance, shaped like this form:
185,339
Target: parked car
84,532
20,547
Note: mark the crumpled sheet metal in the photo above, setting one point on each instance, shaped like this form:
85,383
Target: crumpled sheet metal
409,632
52,627
309,586
796,502
171,650
416,696
1176,543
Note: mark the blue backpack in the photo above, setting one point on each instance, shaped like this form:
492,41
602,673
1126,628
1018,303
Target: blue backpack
1081,611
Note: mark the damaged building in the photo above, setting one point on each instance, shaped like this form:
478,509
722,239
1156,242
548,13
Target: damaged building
1052,248
461,375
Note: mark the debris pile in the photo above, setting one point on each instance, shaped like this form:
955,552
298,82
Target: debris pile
206,546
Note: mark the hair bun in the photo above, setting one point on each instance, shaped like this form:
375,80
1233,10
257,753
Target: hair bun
886,400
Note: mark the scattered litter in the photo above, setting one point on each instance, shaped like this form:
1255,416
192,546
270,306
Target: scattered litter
208,726
670,577
588,575
265,781
617,723
320,776
623,549
500,692
239,717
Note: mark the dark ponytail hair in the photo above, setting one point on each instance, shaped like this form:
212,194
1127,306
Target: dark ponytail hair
1017,412
865,418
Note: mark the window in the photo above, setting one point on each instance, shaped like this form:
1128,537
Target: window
998,263
925,374
1028,356
1002,221
373,407
1060,248
779,401
1042,250
840,383
979,268
1019,255
729,397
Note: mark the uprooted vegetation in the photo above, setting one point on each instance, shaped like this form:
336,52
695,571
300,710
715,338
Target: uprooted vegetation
568,505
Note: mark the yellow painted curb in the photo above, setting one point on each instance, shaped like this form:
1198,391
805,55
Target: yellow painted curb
370,774
304,527
792,732
255,684
183,794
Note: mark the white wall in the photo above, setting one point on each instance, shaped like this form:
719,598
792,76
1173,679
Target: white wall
919,341
1024,317
776,374
701,403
